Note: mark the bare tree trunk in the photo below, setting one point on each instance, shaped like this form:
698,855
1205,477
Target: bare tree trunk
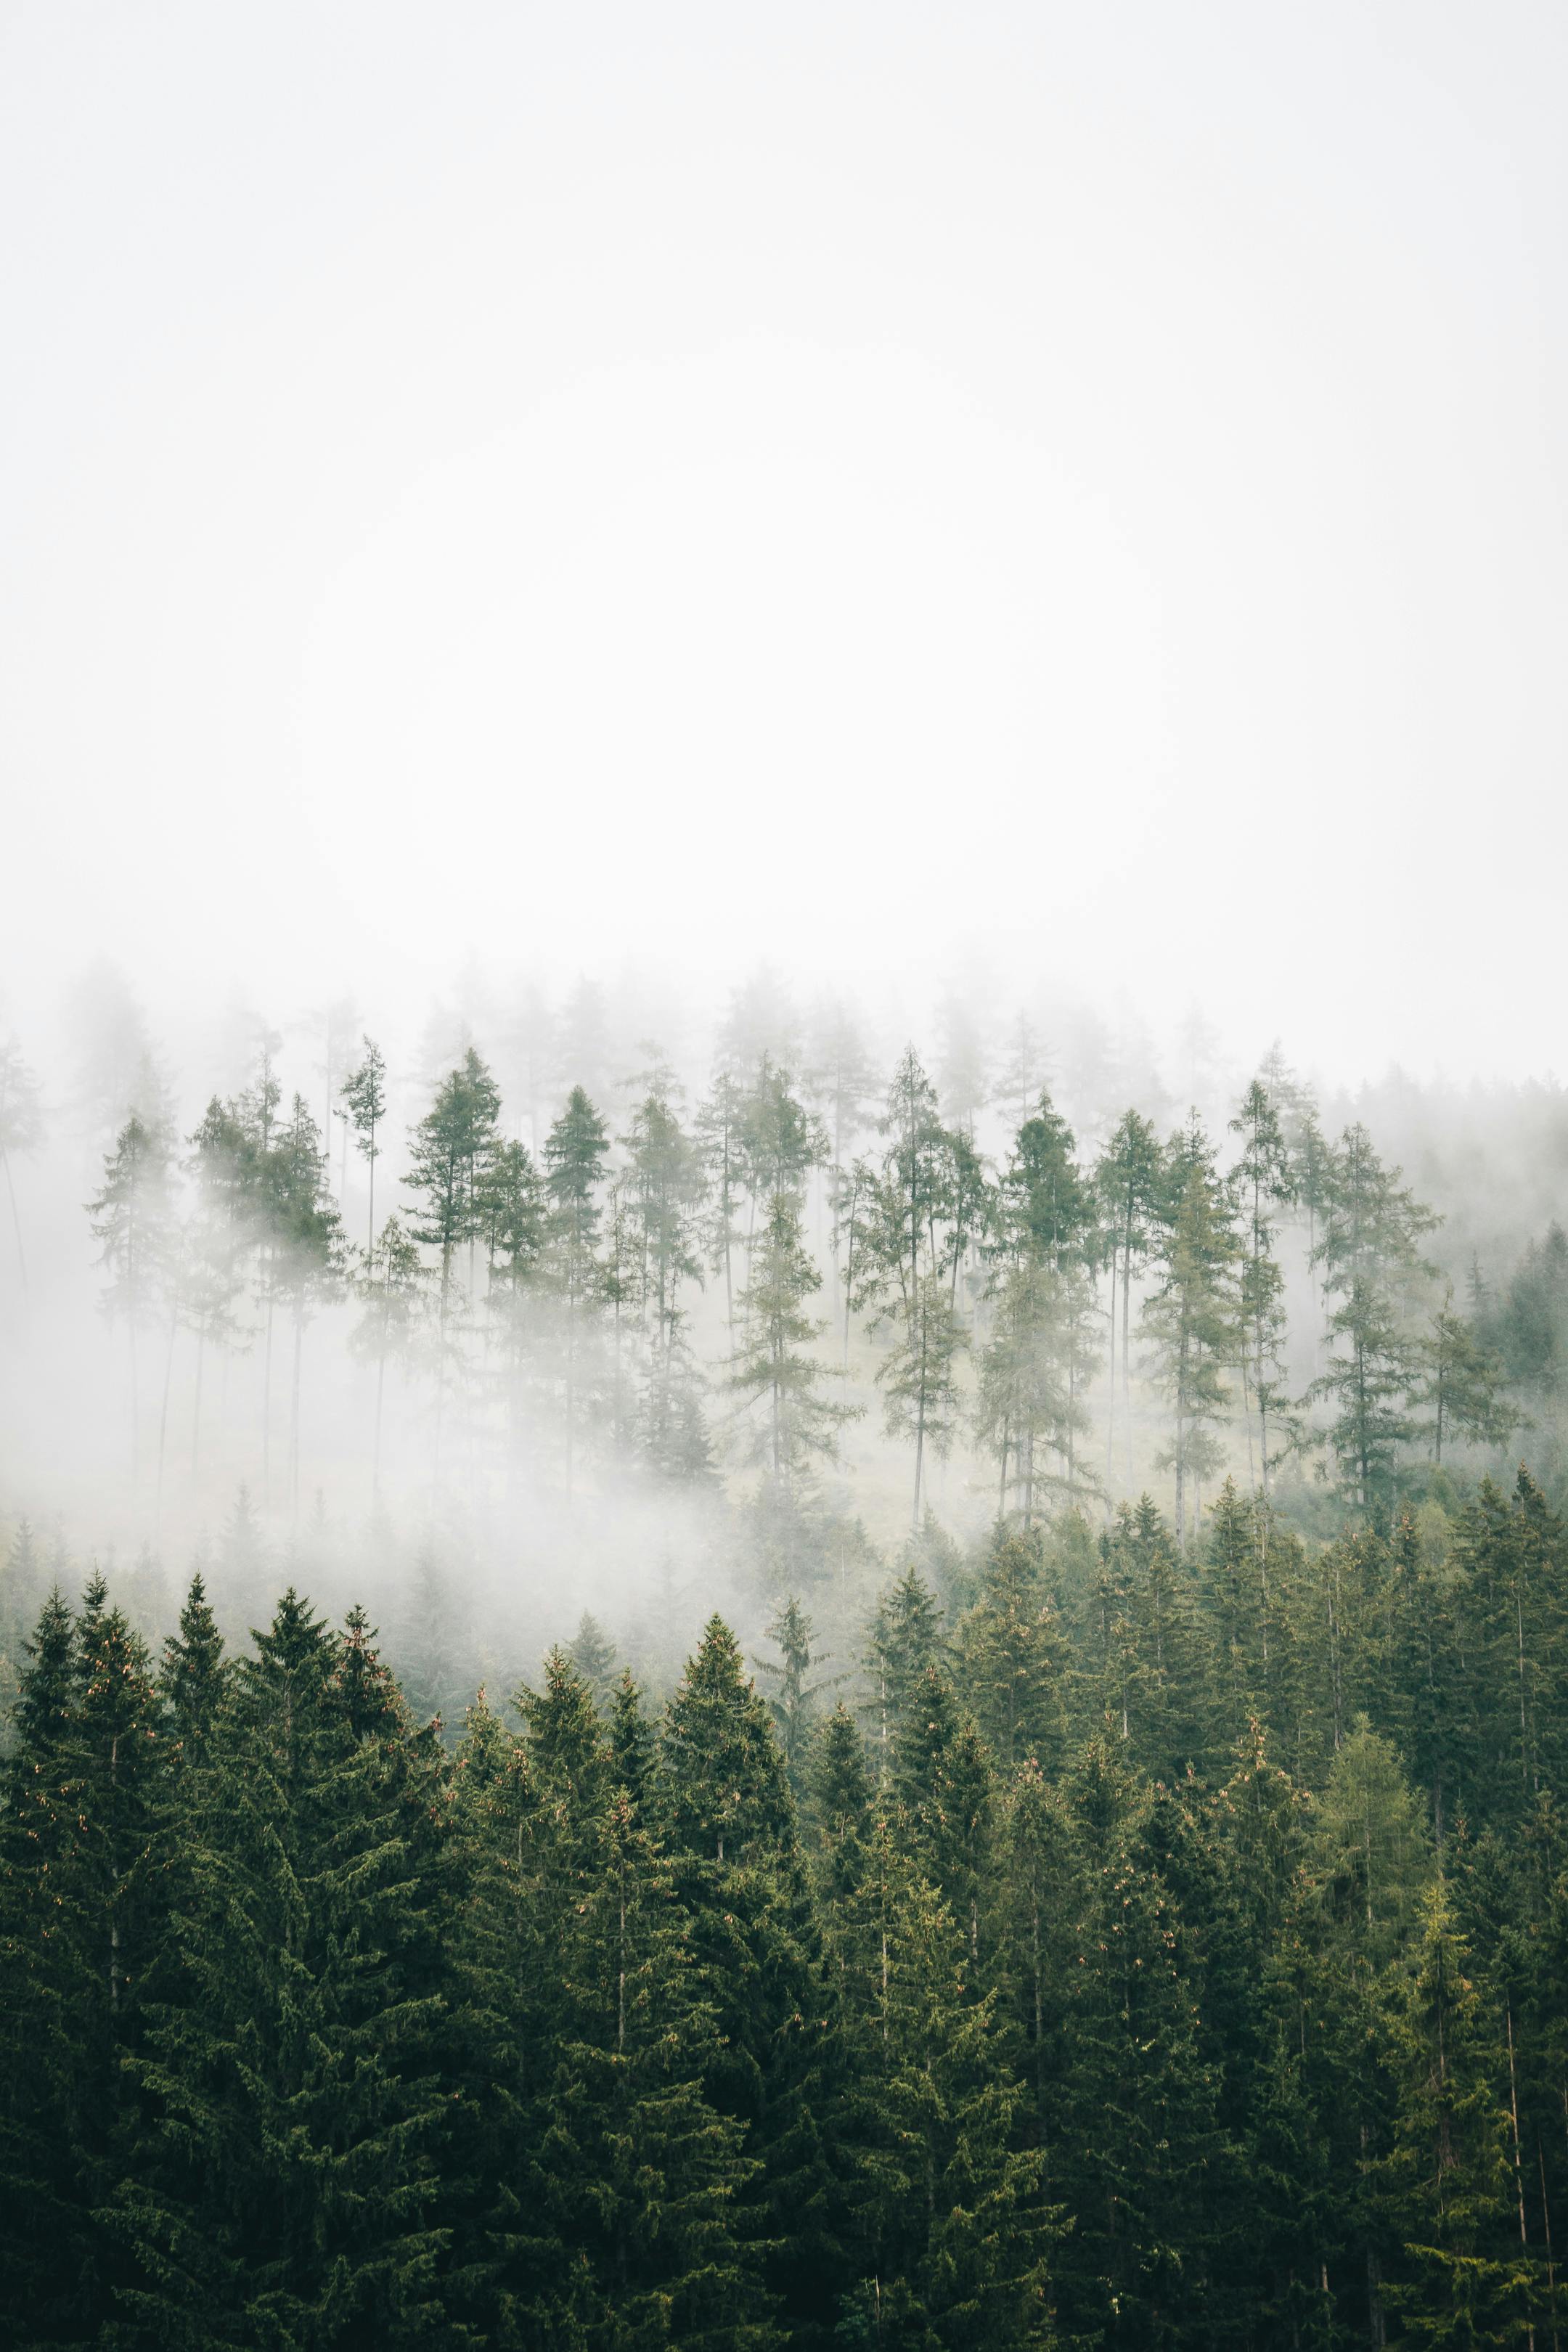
1127,1360
267,1411
135,1409
16,1220
163,1424
294,1412
196,1407
375,1446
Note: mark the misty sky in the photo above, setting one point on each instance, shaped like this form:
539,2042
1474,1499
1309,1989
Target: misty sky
1081,487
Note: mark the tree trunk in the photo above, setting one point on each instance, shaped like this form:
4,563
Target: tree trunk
375,1444
196,1407
163,1424
16,1220
294,1411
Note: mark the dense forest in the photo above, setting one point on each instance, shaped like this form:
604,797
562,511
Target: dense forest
1145,1948
1047,1833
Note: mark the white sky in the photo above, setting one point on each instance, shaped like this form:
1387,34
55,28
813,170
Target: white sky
859,483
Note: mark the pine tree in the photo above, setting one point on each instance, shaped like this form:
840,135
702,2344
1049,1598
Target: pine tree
923,1209
1134,2117
1191,1316
450,1151
906,1641
48,1994
950,2228
286,2185
791,1708
1460,1383
1010,1654
575,1154
719,1128
1263,1182
308,1269
1447,2180
1372,1267
195,1676
666,1187
1130,1180
132,1223
218,1237
365,1093
631,1743
774,1371
1034,1366
644,2181
731,1825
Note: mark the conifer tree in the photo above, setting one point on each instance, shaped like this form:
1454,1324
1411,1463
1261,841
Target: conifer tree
218,1235
642,2178
132,1223
791,1708
1446,2178
1130,1180
1034,1366
308,1261
365,1093
195,1676
730,1824
1191,1316
1371,1266
47,1995
1263,1182
1460,1383
631,1743
906,1641
774,1371
922,1213
287,2183
666,1186
1010,1652
575,1154
1134,2118
950,2225
719,1128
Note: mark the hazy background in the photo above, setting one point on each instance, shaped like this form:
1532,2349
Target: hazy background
1044,491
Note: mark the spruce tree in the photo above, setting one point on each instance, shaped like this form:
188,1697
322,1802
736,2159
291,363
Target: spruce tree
1447,2186
286,2185
575,1154
922,1215
365,1093
731,1825
1262,1179
133,1224
1010,1654
1191,1317
1372,1271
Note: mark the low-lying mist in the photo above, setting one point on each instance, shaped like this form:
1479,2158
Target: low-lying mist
591,1302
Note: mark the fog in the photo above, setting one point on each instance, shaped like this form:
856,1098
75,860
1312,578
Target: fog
569,534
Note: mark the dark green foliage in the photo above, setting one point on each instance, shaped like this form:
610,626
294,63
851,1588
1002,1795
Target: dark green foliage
285,2183
1174,1955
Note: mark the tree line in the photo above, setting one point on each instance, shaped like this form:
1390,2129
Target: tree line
1125,1944
1038,1308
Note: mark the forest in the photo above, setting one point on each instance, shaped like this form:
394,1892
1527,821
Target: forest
823,1695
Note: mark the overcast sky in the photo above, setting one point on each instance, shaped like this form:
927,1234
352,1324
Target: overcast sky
1082,484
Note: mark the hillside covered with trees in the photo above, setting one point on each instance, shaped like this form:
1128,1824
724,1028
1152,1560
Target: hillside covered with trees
933,1711
1145,1948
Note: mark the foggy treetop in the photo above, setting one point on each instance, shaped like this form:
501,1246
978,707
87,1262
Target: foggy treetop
817,1272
